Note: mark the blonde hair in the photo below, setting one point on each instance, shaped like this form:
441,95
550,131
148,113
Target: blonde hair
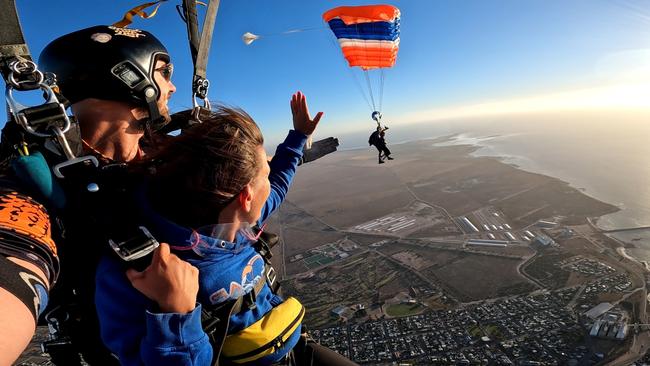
201,171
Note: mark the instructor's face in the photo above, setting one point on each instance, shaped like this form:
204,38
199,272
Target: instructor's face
162,77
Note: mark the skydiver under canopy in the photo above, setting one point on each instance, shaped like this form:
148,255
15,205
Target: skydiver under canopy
377,139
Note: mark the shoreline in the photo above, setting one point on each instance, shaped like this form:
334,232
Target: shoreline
462,139
519,161
623,253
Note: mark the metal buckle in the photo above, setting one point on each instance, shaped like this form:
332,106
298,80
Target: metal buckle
50,111
200,90
201,86
136,247
250,300
85,160
270,276
51,114
210,323
18,110
31,76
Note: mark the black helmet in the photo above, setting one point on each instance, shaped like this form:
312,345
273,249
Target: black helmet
106,62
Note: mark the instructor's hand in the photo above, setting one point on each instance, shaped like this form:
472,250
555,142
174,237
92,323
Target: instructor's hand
169,281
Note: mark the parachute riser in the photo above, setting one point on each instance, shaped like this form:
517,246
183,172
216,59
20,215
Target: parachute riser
200,41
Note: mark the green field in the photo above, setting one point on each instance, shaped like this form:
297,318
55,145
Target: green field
317,260
403,309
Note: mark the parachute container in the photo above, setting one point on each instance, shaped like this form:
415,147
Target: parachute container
368,35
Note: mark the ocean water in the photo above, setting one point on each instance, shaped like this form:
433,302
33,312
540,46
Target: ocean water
606,155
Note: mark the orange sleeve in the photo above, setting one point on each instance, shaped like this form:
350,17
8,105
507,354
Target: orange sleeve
22,215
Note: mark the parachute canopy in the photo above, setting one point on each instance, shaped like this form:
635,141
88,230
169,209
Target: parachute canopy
368,35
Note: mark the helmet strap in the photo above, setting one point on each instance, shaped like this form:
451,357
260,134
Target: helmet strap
155,121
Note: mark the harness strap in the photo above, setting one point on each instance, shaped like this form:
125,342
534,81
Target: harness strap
192,22
12,41
201,62
216,319
200,41
215,322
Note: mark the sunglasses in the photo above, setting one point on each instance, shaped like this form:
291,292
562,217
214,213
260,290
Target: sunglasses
166,71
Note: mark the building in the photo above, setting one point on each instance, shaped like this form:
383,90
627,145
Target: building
488,242
610,324
467,225
543,240
546,224
599,310
339,310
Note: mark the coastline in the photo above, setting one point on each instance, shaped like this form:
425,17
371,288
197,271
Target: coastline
603,222
484,149
623,253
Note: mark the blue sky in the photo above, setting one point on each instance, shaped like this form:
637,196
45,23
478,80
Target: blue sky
452,54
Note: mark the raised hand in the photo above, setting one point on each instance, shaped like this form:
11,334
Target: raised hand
169,281
302,122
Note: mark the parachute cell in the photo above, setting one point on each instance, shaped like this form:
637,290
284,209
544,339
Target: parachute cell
368,35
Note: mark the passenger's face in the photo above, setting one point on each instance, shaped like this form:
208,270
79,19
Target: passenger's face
260,186
162,77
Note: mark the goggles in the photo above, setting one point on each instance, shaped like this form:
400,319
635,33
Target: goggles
212,238
166,71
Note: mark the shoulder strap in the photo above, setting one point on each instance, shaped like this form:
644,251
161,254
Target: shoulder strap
12,41
200,41
215,321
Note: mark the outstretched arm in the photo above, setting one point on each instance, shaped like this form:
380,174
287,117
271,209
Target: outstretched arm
288,154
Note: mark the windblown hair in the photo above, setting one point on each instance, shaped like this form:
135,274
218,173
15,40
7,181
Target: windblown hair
201,171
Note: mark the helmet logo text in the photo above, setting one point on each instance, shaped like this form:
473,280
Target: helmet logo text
132,33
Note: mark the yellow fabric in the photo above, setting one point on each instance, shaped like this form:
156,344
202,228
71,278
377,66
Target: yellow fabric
265,330
138,10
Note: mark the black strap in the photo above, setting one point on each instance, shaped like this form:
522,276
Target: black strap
12,41
215,322
200,41
201,62
191,20
216,319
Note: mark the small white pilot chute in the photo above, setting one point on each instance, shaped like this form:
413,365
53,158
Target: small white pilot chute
249,37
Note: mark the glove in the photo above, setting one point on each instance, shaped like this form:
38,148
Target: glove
319,149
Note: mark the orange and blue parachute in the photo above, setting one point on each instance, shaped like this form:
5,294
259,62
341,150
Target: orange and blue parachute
368,35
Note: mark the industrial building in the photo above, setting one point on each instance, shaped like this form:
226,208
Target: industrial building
468,225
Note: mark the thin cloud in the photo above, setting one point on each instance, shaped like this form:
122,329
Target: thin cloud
620,96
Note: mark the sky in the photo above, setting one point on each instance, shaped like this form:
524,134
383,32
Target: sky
457,59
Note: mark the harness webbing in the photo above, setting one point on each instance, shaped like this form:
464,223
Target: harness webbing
201,62
192,22
12,41
200,41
